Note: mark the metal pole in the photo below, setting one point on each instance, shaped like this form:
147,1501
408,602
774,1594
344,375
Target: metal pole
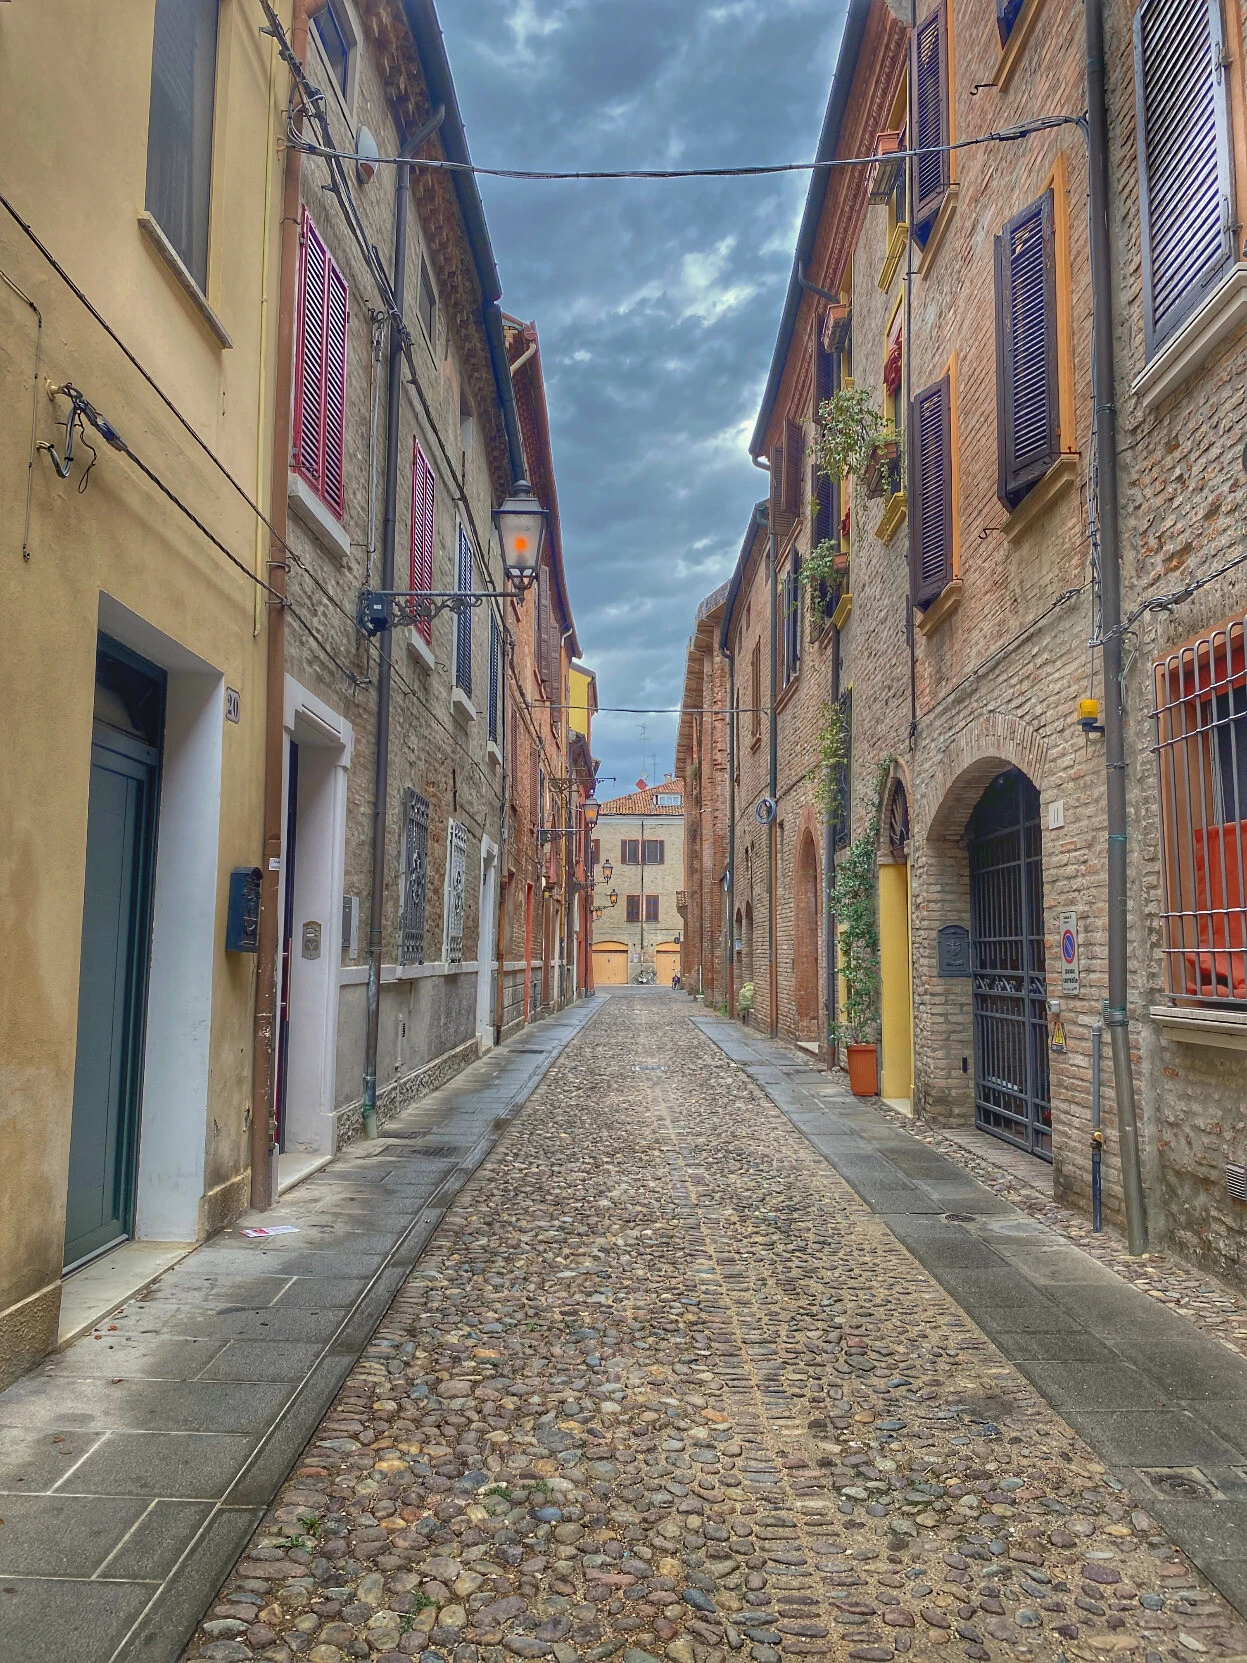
385,641
829,871
1103,396
1097,1136
730,977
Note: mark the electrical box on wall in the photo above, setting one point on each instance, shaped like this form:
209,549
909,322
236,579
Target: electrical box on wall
242,920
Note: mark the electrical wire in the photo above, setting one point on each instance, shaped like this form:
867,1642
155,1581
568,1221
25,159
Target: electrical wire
1004,135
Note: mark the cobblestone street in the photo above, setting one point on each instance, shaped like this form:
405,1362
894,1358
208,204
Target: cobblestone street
662,1386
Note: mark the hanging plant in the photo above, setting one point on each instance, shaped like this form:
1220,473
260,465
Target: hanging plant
855,899
849,428
832,742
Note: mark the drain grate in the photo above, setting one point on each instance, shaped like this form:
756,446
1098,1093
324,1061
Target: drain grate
1183,1483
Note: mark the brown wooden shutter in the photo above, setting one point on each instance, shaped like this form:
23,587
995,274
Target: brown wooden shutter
822,377
1027,415
823,492
794,457
931,492
776,503
543,625
1185,184
928,81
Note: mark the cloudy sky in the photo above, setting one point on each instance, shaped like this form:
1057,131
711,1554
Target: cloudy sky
657,303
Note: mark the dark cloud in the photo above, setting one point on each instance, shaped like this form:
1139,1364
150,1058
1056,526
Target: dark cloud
657,303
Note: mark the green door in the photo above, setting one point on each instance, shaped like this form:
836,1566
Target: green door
112,991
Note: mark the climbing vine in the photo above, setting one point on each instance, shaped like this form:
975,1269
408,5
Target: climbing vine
855,898
849,429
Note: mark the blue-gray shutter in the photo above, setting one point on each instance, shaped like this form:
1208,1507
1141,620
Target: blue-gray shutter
931,492
1185,187
928,80
1027,413
463,620
495,675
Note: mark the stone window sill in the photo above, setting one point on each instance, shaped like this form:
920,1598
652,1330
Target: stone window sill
190,288
755,741
1011,51
943,607
1041,496
893,517
1194,1026
844,607
493,753
938,231
1191,346
307,507
420,649
895,254
787,694
461,705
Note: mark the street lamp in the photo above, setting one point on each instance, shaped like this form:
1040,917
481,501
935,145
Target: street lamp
590,811
521,523
613,898
608,871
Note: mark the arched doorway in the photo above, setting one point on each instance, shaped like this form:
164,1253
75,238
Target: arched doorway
896,1002
805,938
747,966
610,963
1007,962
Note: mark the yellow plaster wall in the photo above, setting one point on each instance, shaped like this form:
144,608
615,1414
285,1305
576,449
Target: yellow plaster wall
74,92
897,1031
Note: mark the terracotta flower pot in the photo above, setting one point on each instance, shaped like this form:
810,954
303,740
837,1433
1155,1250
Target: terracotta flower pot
863,1070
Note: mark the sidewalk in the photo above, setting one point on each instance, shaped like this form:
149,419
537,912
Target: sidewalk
135,1464
1163,1404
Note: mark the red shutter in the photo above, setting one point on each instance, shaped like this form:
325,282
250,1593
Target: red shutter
309,387
337,312
928,80
931,513
320,370
422,501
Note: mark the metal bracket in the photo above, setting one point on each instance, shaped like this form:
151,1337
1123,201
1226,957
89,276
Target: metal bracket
382,609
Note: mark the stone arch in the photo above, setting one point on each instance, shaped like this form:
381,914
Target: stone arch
897,791
984,747
805,909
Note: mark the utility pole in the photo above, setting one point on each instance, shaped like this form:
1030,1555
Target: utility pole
1103,397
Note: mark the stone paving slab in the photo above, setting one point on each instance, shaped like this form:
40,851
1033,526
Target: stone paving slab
662,1386
135,1463
1149,1391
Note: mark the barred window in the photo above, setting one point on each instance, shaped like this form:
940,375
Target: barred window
415,867
456,878
1201,717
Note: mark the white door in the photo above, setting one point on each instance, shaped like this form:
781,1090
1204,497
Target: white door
486,937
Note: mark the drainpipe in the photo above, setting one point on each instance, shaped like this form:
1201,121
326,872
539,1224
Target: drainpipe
772,875
385,640
731,831
263,1054
1102,392
829,875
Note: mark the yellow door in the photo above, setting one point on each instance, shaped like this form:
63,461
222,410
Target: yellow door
666,962
610,964
894,975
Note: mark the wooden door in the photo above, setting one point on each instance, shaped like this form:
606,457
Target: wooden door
610,964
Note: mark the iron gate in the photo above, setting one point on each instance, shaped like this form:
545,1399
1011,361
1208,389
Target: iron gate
1011,1095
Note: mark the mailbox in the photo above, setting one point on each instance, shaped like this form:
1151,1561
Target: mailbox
311,939
242,923
953,950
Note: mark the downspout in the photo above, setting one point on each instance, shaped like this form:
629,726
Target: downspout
1102,391
731,831
772,876
385,640
504,887
829,875
263,1055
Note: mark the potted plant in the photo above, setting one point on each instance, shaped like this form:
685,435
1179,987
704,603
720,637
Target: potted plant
744,1001
849,428
857,919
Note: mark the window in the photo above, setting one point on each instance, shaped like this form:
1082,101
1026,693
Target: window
320,370
463,619
1185,189
651,909
629,852
668,799
426,302
633,913
841,785
596,844
1027,413
456,885
495,678
931,512
423,494
179,128
928,79
1201,706
654,852
336,37
755,691
415,870
790,622
1007,14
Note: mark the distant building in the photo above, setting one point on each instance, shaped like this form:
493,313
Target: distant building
640,843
